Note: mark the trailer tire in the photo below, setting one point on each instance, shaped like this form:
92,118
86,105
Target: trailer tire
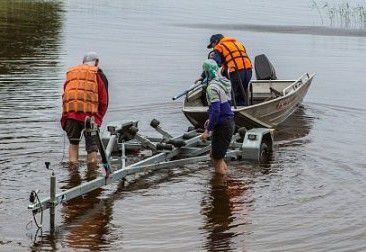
264,153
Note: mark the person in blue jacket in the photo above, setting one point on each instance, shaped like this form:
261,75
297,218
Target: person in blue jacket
220,122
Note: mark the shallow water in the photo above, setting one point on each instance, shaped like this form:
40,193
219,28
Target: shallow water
311,197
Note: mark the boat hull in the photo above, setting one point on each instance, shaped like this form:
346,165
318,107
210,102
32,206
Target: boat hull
266,114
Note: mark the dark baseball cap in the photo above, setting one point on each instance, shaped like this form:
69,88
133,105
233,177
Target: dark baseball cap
214,38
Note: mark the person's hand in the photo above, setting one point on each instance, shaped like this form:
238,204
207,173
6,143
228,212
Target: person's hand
198,80
206,124
204,136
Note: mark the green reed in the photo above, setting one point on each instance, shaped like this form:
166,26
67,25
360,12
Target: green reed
342,15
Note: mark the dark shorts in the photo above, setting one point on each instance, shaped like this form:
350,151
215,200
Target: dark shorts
73,130
221,138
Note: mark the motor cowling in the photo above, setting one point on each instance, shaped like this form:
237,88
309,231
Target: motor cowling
264,69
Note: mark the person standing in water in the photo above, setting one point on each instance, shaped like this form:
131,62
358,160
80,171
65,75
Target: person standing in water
85,95
221,118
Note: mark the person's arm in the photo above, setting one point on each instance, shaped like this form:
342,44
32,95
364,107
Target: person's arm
63,118
218,58
104,78
103,96
213,112
213,118
201,78
213,115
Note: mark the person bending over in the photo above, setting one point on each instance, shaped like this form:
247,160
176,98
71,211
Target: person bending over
233,57
85,95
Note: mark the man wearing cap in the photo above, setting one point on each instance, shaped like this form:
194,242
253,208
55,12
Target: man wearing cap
232,55
85,94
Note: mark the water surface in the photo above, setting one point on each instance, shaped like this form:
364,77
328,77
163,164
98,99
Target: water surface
309,198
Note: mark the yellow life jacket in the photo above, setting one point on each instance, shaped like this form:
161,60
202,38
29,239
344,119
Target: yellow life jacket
81,90
234,53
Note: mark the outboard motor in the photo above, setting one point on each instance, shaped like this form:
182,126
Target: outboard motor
264,69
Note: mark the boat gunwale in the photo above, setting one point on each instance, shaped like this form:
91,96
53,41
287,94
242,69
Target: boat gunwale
243,108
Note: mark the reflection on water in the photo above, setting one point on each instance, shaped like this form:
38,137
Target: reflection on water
29,96
221,208
30,39
30,36
86,218
296,128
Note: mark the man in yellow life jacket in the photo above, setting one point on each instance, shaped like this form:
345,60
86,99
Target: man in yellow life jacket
232,55
85,95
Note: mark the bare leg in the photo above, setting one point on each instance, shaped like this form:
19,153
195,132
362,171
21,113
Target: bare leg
219,165
215,163
92,171
74,154
224,165
92,158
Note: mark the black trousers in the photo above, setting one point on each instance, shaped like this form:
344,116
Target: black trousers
239,81
221,138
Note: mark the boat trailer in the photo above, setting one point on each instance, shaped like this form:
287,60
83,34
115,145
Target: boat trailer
166,151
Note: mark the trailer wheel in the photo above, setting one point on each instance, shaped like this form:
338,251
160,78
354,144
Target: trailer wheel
264,153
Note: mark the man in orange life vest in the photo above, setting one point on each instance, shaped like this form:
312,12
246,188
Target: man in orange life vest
85,94
232,55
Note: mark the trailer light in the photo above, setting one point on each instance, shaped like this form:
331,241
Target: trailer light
252,137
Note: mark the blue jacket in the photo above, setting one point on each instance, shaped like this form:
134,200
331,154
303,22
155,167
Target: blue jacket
218,95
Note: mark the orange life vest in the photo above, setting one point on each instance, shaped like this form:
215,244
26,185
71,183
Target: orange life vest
234,53
81,90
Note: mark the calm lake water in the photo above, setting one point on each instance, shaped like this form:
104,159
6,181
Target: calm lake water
310,198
